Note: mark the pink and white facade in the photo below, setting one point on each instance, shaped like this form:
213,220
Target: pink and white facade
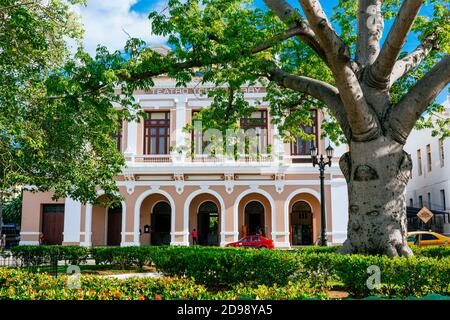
167,193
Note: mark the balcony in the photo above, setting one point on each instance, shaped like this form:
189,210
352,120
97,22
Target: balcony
152,158
199,160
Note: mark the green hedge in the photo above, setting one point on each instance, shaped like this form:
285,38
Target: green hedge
400,277
432,252
220,267
20,285
225,268
317,249
124,257
38,255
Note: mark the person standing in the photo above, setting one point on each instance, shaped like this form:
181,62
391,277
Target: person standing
41,239
194,237
260,231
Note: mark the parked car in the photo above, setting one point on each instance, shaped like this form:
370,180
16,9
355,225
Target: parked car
427,238
253,241
12,233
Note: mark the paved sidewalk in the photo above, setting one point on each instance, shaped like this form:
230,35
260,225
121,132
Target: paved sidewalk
134,275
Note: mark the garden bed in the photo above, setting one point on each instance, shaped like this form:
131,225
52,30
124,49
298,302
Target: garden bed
300,273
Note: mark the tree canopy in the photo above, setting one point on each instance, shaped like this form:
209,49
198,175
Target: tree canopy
231,43
48,141
57,112
374,91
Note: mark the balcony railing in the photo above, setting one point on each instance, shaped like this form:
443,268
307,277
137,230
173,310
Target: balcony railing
150,158
206,158
216,159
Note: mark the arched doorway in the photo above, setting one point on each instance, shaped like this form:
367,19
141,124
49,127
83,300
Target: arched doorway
301,224
254,218
208,224
160,224
114,225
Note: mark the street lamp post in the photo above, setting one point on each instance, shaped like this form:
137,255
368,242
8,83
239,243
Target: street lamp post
322,164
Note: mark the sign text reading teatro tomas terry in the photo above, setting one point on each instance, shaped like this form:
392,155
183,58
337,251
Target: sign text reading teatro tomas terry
198,91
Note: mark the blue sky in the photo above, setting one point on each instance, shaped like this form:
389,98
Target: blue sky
110,22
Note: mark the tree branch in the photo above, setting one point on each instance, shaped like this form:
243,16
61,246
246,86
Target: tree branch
381,70
291,18
370,31
21,4
411,61
194,63
362,120
403,117
292,32
320,90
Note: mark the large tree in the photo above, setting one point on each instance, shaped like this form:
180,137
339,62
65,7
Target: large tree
48,141
375,92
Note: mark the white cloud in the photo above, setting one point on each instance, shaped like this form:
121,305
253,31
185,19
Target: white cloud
107,22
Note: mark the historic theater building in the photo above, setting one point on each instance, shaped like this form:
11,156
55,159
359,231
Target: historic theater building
168,192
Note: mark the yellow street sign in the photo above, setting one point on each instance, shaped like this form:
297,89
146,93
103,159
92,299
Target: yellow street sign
424,214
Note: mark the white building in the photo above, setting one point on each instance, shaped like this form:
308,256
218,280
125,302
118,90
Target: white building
169,194
430,183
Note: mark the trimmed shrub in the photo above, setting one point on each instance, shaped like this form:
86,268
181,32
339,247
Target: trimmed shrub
432,252
30,255
399,277
317,249
20,285
318,268
220,268
102,255
39,255
74,255
226,267
124,257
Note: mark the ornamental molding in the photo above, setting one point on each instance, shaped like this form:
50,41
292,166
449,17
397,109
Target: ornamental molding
154,187
280,179
129,182
229,182
179,182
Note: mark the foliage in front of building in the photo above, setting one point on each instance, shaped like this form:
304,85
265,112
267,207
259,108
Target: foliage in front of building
399,277
432,252
124,257
20,285
37,255
12,211
314,269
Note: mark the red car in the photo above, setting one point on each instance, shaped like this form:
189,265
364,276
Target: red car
255,241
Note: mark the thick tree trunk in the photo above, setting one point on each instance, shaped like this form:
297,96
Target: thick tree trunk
377,173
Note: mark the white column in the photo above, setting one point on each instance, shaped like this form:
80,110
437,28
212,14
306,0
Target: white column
339,216
72,220
278,145
181,121
88,227
131,150
123,232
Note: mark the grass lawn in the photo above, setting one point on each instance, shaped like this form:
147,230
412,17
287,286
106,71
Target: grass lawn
97,269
